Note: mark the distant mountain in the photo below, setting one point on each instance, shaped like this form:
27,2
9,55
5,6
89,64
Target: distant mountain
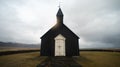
18,45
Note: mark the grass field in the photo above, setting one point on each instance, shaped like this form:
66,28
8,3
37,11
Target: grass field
99,59
21,60
87,59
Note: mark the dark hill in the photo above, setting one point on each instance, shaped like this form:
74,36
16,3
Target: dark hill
18,45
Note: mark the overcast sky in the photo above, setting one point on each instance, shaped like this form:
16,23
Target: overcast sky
96,22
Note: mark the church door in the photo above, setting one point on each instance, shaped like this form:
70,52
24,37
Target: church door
59,45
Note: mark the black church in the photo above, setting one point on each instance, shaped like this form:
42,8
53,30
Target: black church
59,40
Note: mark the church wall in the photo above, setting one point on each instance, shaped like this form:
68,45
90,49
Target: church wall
48,47
72,48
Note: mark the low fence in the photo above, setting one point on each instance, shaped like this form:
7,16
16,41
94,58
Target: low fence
101,50
16,52
27,51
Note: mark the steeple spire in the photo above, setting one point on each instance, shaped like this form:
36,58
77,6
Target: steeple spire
59,16
60,13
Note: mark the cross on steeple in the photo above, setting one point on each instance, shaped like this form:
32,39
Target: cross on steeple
59,15
59,4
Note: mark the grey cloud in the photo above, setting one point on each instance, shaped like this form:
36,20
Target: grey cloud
94,21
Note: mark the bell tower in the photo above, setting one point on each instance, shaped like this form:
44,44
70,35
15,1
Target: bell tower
59,16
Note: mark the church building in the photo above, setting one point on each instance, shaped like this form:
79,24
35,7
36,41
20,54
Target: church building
59,40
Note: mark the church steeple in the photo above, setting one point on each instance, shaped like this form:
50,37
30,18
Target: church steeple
59,16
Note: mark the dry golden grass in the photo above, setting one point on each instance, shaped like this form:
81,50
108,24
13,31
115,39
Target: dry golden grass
99,59
21,60
87,59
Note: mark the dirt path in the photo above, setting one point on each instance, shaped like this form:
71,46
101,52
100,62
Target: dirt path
59,62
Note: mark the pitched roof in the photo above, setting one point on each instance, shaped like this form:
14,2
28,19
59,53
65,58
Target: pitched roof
59,28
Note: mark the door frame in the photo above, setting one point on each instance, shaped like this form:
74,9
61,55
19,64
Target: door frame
60,45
